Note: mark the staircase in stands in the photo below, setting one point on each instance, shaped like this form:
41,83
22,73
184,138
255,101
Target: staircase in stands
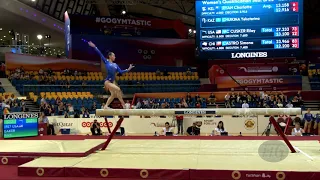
32,106
8,87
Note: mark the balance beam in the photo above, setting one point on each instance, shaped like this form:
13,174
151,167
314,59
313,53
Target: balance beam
199,112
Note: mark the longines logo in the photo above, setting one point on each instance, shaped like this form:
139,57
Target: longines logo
21,115
249,55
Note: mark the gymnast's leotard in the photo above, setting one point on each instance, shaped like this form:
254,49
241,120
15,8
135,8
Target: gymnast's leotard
112,68
308,117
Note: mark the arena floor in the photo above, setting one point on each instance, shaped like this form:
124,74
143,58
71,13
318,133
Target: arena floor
182,159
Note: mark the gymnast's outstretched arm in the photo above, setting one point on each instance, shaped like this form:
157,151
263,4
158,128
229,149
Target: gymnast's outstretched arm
99,52
124,71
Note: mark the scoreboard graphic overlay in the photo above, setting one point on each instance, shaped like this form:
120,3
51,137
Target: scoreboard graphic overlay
239,29
20,125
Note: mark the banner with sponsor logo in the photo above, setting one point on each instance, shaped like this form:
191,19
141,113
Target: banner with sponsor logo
253,70
259,83
141,125
133,26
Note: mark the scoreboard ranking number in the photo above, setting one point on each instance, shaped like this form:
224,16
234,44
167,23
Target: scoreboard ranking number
249,28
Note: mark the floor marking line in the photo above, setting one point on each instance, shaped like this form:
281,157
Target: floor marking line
307,155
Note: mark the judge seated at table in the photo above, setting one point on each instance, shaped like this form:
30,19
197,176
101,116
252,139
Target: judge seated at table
194,130
166,129
219,129
95,128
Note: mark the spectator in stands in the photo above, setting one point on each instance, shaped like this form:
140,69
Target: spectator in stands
212,99
70,109
95,128
180,124
297,130
166,129
289,105
158,72
245,104
188,72
307,118
193,130
86,114
61,108
66,114
94,106
127,105
219,129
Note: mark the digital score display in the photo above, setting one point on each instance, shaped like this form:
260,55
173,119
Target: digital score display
20,125
239,29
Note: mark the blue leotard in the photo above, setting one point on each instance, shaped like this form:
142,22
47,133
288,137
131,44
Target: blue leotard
317,118
308,117
112,68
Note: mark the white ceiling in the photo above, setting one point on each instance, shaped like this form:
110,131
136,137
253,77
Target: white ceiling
22,25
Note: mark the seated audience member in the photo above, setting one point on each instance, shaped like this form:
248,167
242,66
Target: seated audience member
307,118
44,119
127,105
188,72
193,130
297,130
212,99
166,129
219,129
86,114
245,104
289,105
95,128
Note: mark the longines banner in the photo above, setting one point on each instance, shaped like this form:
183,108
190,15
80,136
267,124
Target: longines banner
137,125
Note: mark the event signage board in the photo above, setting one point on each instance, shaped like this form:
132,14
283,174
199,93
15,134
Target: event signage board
259,83
17,125
143,125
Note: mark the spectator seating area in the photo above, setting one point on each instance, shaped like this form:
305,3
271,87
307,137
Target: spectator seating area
314,78
78,100
10,102
132,82
155,103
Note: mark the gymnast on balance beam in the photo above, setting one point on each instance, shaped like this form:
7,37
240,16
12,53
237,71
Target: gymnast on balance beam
112,68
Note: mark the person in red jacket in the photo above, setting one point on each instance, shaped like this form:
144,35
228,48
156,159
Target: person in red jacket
180,124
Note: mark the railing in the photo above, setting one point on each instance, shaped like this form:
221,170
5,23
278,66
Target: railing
99,89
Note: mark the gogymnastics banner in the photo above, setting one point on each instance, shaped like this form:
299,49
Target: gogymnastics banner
259,83
34,63
94,25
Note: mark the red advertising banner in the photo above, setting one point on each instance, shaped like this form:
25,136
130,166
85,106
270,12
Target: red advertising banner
253,70
259,83
34,63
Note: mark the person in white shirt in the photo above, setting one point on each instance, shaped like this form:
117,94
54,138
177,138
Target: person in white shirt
297,130
127,105
166,129
245,104
289,105
219,129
